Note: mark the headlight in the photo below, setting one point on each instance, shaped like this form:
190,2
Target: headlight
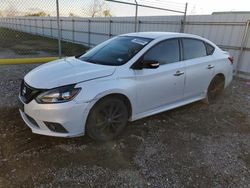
58,95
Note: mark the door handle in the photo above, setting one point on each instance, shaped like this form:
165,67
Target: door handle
178,73
210,66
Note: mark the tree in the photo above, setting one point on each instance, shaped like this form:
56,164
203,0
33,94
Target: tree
72,14
107,13
97,8
38,14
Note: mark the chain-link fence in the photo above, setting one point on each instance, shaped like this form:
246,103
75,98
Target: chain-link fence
33,28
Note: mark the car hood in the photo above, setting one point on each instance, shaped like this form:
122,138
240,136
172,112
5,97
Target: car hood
64,72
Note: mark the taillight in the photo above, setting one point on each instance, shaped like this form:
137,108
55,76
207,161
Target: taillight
231,59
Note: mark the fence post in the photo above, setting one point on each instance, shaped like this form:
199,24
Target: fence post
136,14
20,24
58,29
89,32
35,25
242,47
139,24
11,23
73,30
51,34
30,25
110,28
15,24
183,22
24,24
42,27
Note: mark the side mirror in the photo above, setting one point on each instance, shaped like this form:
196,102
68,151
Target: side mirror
145,64
150,64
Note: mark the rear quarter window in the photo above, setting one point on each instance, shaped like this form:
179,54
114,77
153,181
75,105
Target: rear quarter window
210,49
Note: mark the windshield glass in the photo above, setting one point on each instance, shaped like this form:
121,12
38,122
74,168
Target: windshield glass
115,52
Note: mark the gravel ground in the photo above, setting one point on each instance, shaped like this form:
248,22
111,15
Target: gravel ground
197,145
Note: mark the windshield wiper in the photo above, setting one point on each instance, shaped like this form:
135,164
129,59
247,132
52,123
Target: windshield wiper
77,56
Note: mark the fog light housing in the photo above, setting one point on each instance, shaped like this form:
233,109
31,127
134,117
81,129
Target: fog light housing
56,127
32,121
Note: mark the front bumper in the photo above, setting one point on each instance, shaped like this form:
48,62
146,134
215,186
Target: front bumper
71,116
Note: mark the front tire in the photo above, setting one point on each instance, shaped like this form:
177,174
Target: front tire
107,119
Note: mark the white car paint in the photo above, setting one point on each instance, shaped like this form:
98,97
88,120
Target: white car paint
66,71
149,91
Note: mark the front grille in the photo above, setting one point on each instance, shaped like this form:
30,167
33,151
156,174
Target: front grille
28,93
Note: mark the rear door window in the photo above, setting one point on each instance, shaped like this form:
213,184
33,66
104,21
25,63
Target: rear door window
193,48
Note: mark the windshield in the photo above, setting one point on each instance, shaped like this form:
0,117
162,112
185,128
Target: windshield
115,52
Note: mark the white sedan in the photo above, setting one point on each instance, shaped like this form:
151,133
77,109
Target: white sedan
126,78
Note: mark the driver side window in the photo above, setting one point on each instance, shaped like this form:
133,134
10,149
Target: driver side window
164,52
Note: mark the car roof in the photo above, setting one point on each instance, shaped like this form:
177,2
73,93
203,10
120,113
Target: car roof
155,35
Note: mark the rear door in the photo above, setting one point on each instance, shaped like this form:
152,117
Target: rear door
199,67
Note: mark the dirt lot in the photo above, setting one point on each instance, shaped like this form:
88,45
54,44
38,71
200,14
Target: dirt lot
196,145
14,44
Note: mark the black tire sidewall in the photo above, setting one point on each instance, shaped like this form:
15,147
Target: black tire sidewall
92,131
215,88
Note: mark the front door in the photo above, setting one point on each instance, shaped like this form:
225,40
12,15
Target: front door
163,85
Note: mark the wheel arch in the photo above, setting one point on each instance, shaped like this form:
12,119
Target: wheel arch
219,75
124,97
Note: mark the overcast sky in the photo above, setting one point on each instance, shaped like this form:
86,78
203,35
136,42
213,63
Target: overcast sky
77,6
194,6
209,6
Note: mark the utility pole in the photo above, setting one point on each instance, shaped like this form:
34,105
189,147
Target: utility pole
183,22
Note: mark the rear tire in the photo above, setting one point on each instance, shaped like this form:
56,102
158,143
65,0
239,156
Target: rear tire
215,88
107,119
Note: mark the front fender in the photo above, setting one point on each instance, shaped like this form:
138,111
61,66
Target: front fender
113,91
96,89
